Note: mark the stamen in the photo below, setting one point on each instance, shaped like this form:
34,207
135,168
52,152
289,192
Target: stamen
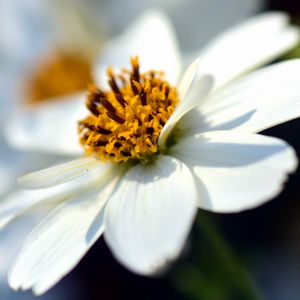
92,108
114,117
92,104
127,120
94,100
133,86
150,130
113,85
108,105
115,88
100,143
96,129
120,99
135,68
143,97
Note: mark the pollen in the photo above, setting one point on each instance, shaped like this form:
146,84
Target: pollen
58,74
126,121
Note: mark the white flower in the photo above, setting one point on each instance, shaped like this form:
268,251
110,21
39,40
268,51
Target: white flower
44,34
215,161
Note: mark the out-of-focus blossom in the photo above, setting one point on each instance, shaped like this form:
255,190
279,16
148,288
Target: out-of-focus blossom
162,164
38,33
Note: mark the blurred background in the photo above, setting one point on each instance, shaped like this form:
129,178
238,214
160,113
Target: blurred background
258,248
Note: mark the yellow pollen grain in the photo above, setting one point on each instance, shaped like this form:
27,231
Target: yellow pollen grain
58,74
125,122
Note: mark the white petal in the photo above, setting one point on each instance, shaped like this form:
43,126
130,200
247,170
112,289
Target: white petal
11,241
194,96
152,38
150,214
58,243
253,43
236,171
258,101
80,168
22,201
49,127
187,79
25,201
6,179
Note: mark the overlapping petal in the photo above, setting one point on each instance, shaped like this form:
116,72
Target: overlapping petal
234,170
255,102
247,46
58,243
22,201
194,96
75,169
187,79
149,214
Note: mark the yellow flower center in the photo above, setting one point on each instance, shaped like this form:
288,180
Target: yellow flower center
59,74
126,121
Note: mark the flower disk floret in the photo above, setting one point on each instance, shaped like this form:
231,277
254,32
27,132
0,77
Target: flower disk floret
125,123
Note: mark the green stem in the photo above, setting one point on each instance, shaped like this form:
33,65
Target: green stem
227,258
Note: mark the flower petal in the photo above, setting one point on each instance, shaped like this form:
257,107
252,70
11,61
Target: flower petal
22,201
236,171
79,168
194,96
253,43
58,243
258,101
6,179
49,127
11,240
152,38
150,214
187,79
